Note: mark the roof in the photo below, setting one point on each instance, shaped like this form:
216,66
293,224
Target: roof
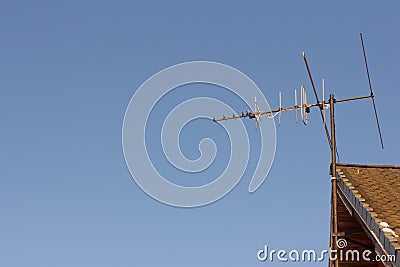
373,191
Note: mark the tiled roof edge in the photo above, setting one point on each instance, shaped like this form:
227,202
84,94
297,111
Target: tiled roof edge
368,166
370,219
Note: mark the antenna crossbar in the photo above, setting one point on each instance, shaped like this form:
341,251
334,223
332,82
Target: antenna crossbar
252,115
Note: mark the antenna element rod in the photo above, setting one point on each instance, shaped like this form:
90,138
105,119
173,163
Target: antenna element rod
316,96
370,89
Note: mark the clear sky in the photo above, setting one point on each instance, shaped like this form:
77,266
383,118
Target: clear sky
68,71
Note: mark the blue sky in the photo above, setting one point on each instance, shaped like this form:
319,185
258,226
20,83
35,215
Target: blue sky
68,71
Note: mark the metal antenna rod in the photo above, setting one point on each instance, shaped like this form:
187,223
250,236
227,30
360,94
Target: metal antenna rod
295,104
333,179
323,99
316,97
321,107
252,115
370,89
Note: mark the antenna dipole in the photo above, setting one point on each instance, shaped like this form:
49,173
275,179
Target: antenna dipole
370,89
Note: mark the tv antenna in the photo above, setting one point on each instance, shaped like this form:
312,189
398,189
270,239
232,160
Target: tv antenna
304,109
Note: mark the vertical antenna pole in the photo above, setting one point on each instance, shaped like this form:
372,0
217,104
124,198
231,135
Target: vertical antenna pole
323,100
280,108
334,231
295,104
